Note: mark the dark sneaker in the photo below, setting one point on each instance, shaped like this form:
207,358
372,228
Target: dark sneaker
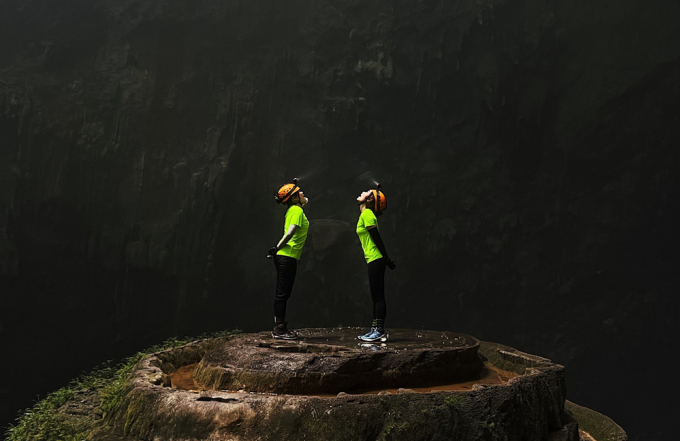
281,332
363,337
376,335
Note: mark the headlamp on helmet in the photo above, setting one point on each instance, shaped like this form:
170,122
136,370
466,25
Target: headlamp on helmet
379,200
286,192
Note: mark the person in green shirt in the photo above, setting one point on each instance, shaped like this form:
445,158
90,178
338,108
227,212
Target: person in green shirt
286,254
372,203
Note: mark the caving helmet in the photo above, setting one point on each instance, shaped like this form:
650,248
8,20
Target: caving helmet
379,201
286,191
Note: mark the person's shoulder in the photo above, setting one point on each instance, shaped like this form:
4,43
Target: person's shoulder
367,214
295,213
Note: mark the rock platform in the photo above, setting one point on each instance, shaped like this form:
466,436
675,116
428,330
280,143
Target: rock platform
251,387
333,360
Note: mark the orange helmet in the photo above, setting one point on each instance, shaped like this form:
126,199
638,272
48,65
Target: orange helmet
379,200
286,192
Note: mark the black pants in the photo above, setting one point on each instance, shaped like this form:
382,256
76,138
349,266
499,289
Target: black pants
376,281
286,267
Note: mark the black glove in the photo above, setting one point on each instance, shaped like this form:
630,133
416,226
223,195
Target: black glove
272,252
391,264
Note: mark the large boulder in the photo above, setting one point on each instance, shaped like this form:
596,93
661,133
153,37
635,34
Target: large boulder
529,405
331,361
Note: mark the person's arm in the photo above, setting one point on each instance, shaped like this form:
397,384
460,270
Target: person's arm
286,237
377,240
284,240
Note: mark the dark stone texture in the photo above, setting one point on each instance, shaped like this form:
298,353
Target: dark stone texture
528,151
529,407
332,360
599,426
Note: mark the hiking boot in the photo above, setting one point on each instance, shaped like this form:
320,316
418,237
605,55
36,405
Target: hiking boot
281,332
363,337
377,335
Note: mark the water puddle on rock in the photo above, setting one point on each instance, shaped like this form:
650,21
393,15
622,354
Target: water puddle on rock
490,375
183,379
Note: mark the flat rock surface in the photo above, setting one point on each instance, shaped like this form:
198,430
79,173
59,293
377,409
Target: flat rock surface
398,339
527,406
334,360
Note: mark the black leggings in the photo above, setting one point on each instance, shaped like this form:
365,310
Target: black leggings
376,281
286,267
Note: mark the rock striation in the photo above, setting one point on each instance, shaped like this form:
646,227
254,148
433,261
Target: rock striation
529,406
331,361
527,149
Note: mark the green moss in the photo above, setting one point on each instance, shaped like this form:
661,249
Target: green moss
41,422
137,421
508,359
46,420
597,425
456,401
210,377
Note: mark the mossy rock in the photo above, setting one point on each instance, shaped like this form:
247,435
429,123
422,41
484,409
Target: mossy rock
527,407
599,426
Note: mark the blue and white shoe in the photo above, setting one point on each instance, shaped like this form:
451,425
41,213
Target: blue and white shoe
376,335
366,335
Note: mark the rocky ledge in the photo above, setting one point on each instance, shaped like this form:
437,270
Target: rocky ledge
333,360
229,398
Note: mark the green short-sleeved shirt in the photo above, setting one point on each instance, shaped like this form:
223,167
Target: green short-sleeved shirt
295,216
368,219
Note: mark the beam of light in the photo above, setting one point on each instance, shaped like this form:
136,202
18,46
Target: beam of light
306,180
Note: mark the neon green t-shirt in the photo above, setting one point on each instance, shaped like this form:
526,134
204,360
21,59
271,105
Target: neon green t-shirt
295,216
368,219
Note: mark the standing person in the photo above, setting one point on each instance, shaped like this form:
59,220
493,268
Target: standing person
287,252
372,203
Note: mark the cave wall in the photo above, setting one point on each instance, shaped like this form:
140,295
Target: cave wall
527,150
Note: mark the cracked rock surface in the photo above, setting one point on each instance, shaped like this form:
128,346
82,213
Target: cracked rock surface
527,149
530,406
332,361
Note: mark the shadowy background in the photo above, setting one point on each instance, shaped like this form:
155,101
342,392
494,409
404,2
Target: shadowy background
528,151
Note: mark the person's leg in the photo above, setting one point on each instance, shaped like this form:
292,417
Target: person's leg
376,282
286,267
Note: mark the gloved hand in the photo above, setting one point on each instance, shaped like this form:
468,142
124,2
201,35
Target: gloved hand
272,252
391,264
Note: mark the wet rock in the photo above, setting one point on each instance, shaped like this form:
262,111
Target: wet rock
332,360
401,390
593,426
156,378
567,433
529,407
505,157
